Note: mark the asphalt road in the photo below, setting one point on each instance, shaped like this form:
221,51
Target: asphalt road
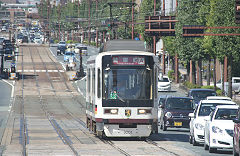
5,102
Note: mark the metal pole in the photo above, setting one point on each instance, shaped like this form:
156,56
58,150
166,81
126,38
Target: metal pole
132,20
97,28
89,23
154,37
59,27
78,21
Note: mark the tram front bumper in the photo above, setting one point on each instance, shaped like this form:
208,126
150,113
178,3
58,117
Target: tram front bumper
114,130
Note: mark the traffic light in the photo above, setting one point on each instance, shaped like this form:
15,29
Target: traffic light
193,31
237,11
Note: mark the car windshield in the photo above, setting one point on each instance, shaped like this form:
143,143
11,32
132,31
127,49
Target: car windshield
206,108
202,94
226,114
163,80
69,53
62,43
179,103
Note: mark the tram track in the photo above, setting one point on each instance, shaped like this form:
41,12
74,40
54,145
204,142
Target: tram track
50,116
82,123
151,142
23,124
60,126
109,142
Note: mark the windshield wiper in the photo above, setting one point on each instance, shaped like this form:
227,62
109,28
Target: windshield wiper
120,98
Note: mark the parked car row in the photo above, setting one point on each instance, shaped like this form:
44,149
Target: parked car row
213,121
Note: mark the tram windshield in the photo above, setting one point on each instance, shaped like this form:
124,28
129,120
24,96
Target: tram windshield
127,84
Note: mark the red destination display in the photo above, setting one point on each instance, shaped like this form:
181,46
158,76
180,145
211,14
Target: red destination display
128,60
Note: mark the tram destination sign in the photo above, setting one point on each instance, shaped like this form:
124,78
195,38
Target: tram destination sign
128,60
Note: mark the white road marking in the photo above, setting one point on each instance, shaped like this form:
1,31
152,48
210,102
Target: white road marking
12,93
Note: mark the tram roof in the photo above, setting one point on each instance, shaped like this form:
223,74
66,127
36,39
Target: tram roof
116,45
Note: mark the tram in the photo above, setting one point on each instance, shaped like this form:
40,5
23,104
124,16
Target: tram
121,93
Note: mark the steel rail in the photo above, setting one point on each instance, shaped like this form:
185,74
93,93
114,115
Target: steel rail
23,125
149,141
50,116
109,142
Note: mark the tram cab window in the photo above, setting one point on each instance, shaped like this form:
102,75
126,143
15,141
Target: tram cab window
127,84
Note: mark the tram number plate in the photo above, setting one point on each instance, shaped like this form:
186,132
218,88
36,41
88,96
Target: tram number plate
177,123
127,132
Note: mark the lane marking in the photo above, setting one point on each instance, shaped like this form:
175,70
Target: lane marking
58,59
79,90
12,93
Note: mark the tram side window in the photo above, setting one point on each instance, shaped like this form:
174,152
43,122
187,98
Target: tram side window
93,82
98,84
155,82
89,81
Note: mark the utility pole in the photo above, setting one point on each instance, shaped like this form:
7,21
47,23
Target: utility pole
97,23
89,22
176,56
78,21
154,37
48,14
132,20
59,27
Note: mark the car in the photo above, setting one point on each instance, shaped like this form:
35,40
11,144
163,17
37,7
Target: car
62,43
81,47
25,39
4,29
69,54
218,132
38,40
164,83
235,85
174,112
199,94
199,116
61,50
236,134
218,98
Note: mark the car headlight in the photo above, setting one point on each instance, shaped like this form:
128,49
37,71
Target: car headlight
144,111
199,126
168,114
216,129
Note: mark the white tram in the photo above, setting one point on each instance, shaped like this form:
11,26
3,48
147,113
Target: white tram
121,94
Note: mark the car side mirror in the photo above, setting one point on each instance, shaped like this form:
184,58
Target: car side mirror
161,106
236,120
191,115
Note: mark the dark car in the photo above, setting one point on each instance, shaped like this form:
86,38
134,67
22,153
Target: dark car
174,112
236,134
61,50
6,42
25,39
200,94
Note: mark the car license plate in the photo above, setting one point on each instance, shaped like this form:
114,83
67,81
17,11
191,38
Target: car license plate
177,123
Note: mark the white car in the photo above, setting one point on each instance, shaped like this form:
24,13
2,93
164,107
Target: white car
235,84
218,98
219,127
38,40
199,116
164,83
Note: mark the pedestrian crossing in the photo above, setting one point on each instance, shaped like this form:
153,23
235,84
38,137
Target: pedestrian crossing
40,71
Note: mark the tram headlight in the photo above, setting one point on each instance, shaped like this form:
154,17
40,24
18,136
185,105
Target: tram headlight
111,111
144,111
